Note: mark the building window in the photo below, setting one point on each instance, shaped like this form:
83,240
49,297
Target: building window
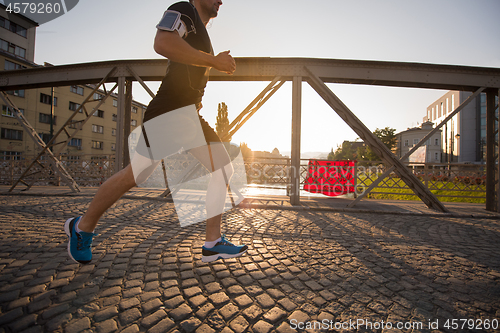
436,156
407,143
77,90
12,48
98,97
15,28
113,131
113,146
97,129
436,142
45,137
74,142
74,124
9,66
18,93
115,103
11,134
133,122
415,141
114,117
47,99
10,155
74,106
134,109
97,144
45,118
99,113
8,112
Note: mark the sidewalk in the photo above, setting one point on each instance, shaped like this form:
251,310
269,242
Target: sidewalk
381,263
456,209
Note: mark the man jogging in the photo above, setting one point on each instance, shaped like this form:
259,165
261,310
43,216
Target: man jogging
183,39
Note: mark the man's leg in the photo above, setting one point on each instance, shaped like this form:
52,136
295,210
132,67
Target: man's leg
80,230
108,193
215,158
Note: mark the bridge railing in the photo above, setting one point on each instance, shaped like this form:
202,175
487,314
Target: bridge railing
449,182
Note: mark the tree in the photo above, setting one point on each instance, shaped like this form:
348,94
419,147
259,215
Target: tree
345,152
222,124
245,151
387,136
348,151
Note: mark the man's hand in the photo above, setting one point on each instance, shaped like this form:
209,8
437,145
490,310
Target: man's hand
170,45
225,63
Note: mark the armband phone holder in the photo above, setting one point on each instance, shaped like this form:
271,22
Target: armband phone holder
170,21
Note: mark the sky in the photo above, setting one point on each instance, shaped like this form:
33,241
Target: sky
456,32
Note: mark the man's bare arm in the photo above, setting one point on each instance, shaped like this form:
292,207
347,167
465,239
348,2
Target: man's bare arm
170,45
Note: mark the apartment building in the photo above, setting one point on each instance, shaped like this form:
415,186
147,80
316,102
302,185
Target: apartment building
463,138
47,109
429,152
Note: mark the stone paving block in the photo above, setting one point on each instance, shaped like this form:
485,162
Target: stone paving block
274,315
39,305
129,303
153,318
151,305
129,316
213,287
33,290
171,292
239,324
174,302
193,291
107,326
205,310
190,325
299,316
252,312
235,290
265,300
219,299
18,303
228,311
164,325
275,293
243,301
131,329
23,323
198,301
204,328
105,314
180,313
262,327
55,310
254,290
78,325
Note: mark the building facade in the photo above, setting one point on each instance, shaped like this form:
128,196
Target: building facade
429,152
464,136
47,109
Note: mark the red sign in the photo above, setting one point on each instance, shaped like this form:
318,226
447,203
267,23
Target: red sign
331,178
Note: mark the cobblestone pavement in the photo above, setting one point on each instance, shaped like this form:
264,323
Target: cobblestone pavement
304,267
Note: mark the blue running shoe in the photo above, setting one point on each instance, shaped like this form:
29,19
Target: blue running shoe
79,244
224,249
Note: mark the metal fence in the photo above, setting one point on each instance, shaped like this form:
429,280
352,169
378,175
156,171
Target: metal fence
449,182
